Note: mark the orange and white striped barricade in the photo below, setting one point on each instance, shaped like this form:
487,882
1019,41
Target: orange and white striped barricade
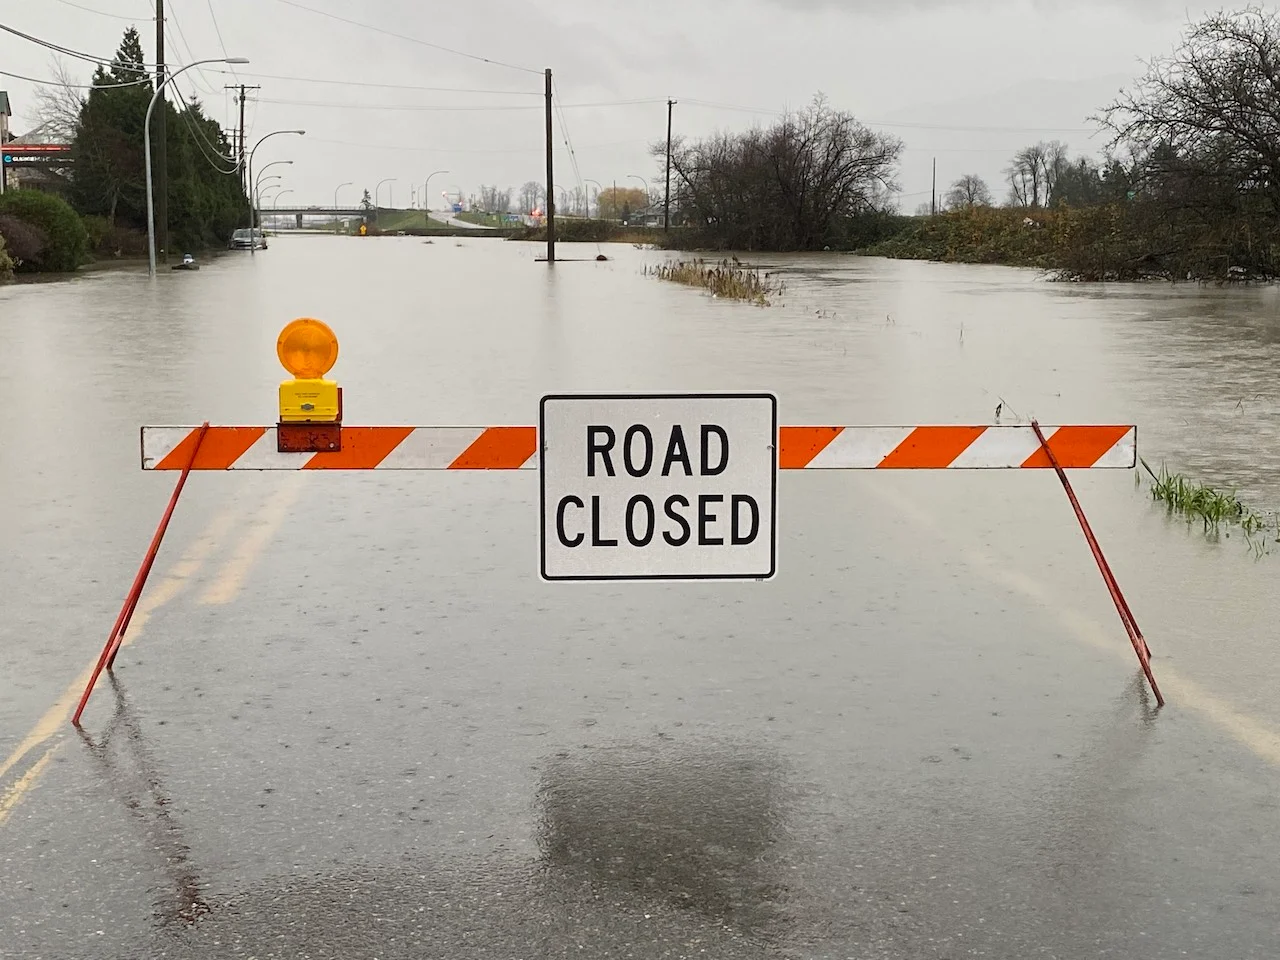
311,436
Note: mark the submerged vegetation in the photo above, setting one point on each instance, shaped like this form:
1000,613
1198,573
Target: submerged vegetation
1198,501
728,278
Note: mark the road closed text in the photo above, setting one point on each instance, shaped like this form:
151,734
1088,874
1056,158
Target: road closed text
646,488
707,519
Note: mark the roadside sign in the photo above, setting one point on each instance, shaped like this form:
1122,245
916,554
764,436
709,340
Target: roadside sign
658,486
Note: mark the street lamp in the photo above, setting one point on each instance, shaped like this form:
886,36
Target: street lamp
253,246
426,192
335,192
276,201
376,188
644,183
146,149
257,187
598,189
268,166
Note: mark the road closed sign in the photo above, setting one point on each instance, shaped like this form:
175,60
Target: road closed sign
659,487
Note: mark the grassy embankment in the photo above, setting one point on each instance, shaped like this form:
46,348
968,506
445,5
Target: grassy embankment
392,221
1109,242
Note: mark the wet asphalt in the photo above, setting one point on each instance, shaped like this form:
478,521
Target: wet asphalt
356,725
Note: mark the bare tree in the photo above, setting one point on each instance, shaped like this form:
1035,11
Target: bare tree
1034,171
1213,103
967,192
793,186
532,195
58,104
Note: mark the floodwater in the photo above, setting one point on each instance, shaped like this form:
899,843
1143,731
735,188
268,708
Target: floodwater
352,722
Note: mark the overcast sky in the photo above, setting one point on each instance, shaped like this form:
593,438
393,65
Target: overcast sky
964,81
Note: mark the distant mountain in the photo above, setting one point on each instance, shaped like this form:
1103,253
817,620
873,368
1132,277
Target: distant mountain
979,134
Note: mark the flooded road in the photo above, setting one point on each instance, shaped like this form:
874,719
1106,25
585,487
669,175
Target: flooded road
350,721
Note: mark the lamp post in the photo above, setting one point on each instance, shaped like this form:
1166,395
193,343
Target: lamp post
257,187
268,166
146,149
377,187
253,246
644,183
598,189
426,193
337,218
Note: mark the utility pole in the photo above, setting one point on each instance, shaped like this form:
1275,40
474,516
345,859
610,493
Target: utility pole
162,140
666,207
551,183
244,175
933,195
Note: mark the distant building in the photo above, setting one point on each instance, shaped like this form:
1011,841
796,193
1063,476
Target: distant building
50,176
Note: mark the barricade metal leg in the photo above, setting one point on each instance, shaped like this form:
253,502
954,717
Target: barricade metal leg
1122,606
116,637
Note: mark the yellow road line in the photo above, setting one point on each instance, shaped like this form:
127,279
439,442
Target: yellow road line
13,796
152,600
1253,734
230,580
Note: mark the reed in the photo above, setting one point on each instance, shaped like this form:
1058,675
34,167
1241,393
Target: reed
730,279
1213,508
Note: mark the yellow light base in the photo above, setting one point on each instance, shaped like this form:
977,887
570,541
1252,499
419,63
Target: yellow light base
303,401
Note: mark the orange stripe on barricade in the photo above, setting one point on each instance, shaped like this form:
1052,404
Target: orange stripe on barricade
499,448
797,446
929,448
363,448
1078,446
221,447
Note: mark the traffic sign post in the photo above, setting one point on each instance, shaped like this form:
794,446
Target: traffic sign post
658,487
633,487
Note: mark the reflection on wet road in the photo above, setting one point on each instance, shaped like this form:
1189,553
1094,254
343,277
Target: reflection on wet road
351,722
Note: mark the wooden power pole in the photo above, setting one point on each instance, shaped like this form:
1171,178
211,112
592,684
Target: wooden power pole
666,206
551,182
244,174
161,173
933,193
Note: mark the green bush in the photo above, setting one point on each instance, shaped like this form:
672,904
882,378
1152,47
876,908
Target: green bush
6,265
52,216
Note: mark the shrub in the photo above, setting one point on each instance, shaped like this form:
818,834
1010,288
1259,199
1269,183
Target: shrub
97,229
6,265
66,239
24,242
574,230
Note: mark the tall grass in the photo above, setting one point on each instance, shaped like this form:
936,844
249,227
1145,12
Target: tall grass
1213,508
728,278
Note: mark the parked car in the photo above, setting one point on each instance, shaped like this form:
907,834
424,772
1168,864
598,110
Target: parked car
246,239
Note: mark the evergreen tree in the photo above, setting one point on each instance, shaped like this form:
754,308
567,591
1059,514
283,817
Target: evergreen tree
206,201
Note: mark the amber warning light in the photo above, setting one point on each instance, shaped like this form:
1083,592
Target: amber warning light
310,405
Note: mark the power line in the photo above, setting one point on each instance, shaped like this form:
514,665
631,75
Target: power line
487,108
902,124
76,86
101,13
479,108
67,51
203,83
218,30
401,36
387,86
202,140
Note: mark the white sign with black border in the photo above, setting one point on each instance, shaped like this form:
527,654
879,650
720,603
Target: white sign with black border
658,486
